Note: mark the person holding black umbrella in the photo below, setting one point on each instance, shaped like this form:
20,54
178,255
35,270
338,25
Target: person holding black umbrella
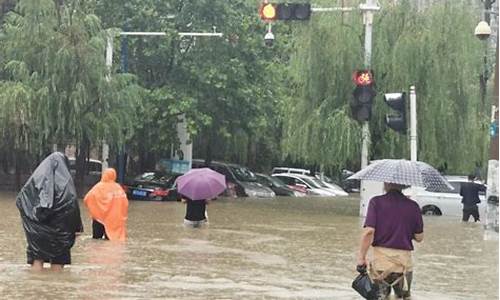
393,222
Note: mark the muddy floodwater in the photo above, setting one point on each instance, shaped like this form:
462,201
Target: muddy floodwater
283,248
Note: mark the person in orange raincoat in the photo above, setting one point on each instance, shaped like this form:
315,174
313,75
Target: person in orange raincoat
108,206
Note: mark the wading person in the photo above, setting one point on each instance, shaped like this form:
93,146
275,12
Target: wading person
470,198
108,206
196,187
196,212
392,222
50,213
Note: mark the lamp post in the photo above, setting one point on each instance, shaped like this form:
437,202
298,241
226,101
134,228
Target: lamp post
483,32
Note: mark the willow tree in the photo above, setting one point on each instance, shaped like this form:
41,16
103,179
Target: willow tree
432,48
54,85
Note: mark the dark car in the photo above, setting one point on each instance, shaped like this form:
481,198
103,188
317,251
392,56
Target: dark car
156,186
278,186
350,185
241,182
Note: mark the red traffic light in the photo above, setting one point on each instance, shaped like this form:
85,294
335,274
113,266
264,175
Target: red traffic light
267,12
362,77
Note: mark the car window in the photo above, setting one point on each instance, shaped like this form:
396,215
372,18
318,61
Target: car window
95,166
276,181
224,171
311,183
287,180
456,187
243,173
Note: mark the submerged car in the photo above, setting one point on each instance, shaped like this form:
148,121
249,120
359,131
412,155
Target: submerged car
154,186
330,184
444,203
278,186
297,180
241,182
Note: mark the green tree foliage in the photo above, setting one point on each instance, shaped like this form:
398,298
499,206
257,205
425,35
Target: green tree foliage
432,48
53,87
225,86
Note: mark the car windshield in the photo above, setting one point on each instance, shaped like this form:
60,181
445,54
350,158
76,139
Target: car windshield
154,176
319,182
243,174
311,182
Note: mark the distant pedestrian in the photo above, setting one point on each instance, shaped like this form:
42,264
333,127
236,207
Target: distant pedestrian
50,213
392,222
108,206
470,198
196,212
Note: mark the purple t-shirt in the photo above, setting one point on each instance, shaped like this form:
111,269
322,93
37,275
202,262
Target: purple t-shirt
396,218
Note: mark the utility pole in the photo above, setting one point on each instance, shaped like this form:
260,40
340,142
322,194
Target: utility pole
413,124
491,220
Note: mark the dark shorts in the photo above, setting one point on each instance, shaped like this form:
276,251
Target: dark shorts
63,259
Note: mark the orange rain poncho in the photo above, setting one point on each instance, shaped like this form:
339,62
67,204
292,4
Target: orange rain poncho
108,204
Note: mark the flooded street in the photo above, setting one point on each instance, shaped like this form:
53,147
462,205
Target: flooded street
284,248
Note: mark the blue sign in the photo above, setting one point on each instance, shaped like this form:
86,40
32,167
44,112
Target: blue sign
494,129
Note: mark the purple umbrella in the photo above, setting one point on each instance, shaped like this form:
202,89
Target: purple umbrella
200,184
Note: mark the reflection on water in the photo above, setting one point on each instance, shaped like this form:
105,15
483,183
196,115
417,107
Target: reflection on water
283,248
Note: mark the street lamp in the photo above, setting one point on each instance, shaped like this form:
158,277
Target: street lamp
483,32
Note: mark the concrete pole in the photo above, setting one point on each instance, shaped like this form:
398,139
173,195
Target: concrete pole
109,63
491,220
365,135
186,146
413,124
366,188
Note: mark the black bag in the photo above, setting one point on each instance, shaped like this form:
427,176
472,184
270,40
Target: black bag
364,285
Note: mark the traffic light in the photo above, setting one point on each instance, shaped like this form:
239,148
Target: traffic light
363,95
293,11
284,11
396,101
267,11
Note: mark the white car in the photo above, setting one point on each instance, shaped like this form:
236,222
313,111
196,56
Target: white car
443,203
308,182
327,182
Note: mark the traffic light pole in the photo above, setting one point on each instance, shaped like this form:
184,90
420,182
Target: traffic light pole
368,8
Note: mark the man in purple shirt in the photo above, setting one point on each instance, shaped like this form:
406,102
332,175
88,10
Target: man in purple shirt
392,222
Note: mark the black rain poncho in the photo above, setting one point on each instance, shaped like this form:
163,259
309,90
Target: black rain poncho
49,209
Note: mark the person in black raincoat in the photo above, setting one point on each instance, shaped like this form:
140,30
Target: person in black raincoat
50,213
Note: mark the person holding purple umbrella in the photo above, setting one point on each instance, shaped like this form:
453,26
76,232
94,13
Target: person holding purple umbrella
198,186
196,213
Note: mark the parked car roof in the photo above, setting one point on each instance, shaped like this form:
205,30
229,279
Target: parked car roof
278,170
